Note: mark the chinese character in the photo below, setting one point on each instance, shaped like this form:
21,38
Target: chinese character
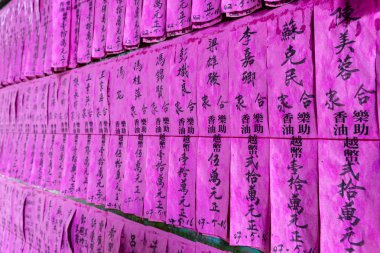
249,77
306,99
344,68
332,100
246,36
283,103
213,78
248,58
343,37
205,102
289,30
290,52
260,100
212,45
240,102
362,96
343,15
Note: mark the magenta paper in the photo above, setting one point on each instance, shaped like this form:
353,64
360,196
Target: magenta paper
49,39
32,45
131,36
178,17
100,29
348,156
153,20
96,191
113,232
96,225
178,244
293,185
34,214
70,165
155,240
249,203
47,169
205,13
118,138
213,156
115,26
74,33
40,121
62,212
81,229
68,210
71,145
136,67
183,144
61,11
100,105
28,162
61,114
41,53
115,171
132,237
159,126
85,148
86,28
18,202
203,248
238,8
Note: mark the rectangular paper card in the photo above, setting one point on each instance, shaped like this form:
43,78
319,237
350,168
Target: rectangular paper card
213,155
132,237
349,150
159,126
61,13
184,143
100,29
115,25
205,13
113,233
131,36
119,136
153,20
249,202
136,82
292,122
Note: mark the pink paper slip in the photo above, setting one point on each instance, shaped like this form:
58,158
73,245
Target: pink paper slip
159,126
100,29
184,144
205,13
178,17
293,164
113,233
86,29
74,33
134,181
131,36
115,26
213,154
118,139
153,20
96,191
155,240
249,187
61,11
132,237
348,156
